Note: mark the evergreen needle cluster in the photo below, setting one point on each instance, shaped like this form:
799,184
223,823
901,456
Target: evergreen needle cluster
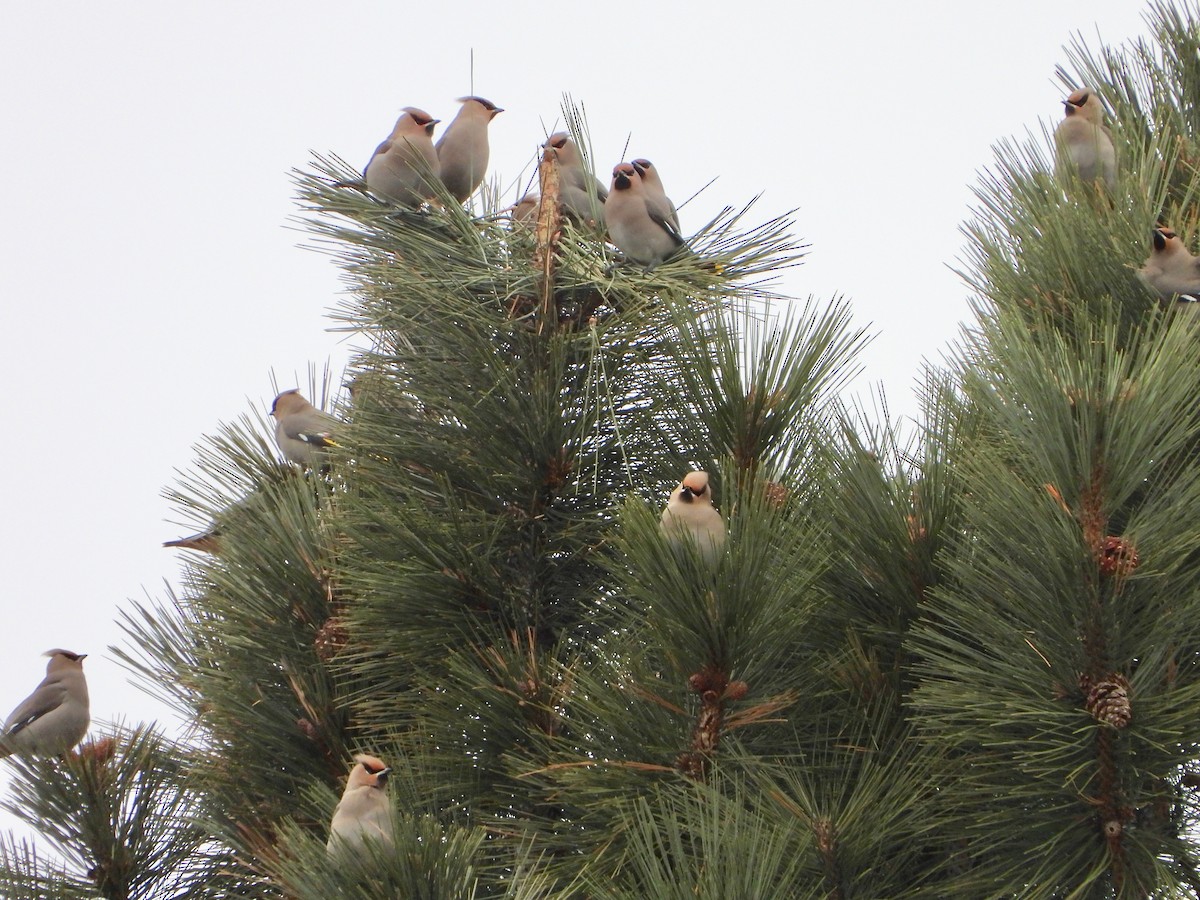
958,664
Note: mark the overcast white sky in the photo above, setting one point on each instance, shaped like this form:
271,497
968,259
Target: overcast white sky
151,282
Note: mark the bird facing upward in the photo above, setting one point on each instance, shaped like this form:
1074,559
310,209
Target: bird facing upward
55,717
364,812
656,195
1083,141
577,203
690,517
402,166
462,151
638,227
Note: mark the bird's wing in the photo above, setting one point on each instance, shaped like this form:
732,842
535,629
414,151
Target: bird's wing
665,222
312,429
379,151
48,697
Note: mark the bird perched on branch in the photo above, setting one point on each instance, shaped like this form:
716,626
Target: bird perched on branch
1171,271
55,717
525,210
582,206
204,541
364,812
462,151
403,166
302,431
237,514
656,196
1083,141
690,517
639,225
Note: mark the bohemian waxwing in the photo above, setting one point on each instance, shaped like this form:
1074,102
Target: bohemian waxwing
55,717
690,516
643,235
364,812
656,195
462,151
302,431
1171,271
573,179
204,541
403,165
1083,142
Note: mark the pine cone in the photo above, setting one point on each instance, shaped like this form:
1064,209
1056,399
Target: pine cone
1108,701
777,494
736,690
100,750
707,679
1117,557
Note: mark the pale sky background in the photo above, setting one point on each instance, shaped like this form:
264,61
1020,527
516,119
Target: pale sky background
150,275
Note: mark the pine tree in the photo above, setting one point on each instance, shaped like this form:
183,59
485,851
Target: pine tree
961,663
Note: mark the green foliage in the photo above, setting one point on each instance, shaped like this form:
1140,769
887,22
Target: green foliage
693,841
1029,619
121,813
957,662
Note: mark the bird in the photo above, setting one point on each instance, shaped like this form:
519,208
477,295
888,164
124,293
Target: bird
302,431
462,152
581,205
690,518
1171,271
525,210
55,717
1083,141
656,195
364,812
402,167
204,541
644,234
237,514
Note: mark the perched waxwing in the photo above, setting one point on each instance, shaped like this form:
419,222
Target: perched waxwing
643,235
573,181
656,195
1171,271
1083,142
364,812
55,717
209,540
463,150
204,541
402,166
690,515
525,210
302,431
